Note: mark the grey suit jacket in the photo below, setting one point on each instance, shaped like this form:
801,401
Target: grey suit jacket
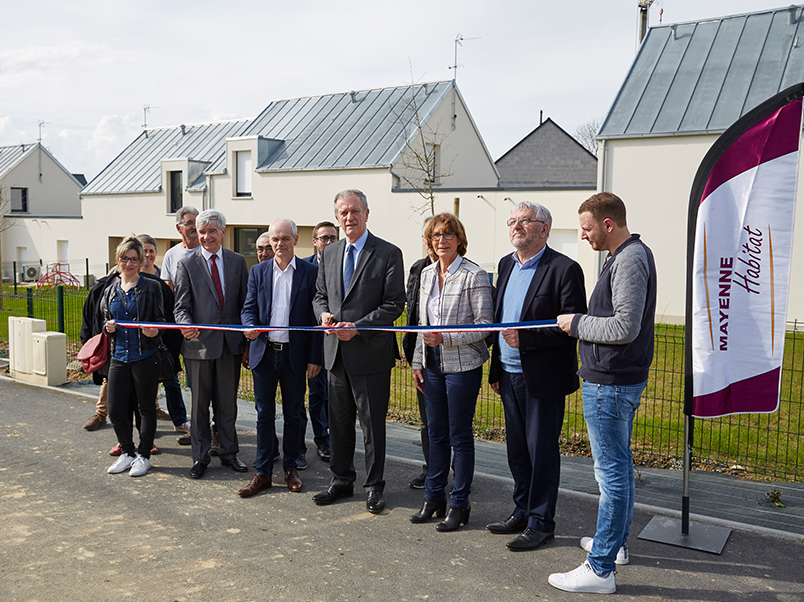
376,297
197,303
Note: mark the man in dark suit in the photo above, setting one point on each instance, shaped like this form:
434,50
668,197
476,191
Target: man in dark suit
409,346
324,234
533,370
280,293
210,288
361,282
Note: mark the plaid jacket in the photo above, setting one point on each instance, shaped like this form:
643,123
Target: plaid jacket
465,299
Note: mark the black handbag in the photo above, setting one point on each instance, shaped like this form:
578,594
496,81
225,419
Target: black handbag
167,369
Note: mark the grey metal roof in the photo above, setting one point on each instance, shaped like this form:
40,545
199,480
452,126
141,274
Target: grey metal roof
12,155
701,76
139,167
358,129
367,128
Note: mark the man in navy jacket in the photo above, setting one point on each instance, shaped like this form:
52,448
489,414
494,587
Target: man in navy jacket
280,293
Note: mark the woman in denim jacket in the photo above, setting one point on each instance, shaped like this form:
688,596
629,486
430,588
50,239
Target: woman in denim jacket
448,366
134,369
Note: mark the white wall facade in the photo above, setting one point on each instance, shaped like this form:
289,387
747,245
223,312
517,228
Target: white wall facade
654,176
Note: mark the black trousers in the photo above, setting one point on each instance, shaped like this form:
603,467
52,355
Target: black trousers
364,395
132,389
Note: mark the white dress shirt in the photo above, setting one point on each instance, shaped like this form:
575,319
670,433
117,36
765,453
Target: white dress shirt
280,301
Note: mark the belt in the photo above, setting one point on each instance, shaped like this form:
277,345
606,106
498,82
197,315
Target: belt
277,346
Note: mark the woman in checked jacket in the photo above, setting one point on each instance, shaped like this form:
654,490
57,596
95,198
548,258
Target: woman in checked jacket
447,367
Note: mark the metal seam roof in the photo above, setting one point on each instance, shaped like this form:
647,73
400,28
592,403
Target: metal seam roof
701,76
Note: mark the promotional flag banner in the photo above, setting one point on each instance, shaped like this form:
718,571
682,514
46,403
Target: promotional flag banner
742,208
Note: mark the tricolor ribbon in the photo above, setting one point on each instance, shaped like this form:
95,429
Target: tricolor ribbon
433,328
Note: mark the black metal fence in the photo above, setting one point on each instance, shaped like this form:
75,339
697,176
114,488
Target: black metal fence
767,446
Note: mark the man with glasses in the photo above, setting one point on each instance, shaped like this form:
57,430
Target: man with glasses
533,370
185,224
264,249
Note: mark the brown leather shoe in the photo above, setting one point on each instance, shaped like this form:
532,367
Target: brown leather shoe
293,480
255,485
162,414
95,422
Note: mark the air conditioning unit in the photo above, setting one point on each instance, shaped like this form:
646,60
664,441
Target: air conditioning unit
31,272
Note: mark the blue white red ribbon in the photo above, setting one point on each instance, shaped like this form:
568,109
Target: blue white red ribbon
433,328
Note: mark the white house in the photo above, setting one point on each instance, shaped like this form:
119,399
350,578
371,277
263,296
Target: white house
35,190
688,83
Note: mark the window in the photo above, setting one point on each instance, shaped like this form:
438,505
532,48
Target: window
19,200
175,192
245,243
243,174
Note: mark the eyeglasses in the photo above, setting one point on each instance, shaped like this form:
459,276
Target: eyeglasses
129,260
439,235
522,221
326,238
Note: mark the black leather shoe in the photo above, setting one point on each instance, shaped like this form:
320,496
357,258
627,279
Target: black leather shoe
530,539
511,524
455,518
324,452
235,464
198,470
375,503
430,507
333,493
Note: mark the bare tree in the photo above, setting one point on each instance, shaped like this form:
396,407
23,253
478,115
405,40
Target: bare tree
5,224
586,134
421,167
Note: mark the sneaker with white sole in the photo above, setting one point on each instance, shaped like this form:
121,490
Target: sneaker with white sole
140,466
622,553
182,428
122,464
583,579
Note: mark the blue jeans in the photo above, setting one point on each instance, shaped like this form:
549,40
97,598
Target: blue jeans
317,400
451,398
274,368
175,401
609,413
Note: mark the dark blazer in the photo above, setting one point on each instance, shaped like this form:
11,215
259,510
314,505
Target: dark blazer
376,297
312,259
549,357
305,347
197,303
412,295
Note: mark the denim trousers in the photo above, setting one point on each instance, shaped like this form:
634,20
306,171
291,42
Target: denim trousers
609,413
317,401
274,369
175,401
451,398
132,389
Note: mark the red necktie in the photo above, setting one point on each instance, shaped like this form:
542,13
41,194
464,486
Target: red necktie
216,278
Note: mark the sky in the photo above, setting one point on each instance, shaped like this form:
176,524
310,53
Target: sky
87,68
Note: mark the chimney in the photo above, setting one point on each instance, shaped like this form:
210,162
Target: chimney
353,94
183,131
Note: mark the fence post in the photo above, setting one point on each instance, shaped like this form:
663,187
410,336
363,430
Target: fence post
30,302
60,306
15,277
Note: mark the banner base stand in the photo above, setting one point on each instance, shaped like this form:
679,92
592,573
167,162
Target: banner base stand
706,538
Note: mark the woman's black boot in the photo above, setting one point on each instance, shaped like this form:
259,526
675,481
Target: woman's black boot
430,507
455,518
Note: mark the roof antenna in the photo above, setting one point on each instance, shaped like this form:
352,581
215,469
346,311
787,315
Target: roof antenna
145,109
458,39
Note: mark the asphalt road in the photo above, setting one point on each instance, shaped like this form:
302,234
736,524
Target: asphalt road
70,531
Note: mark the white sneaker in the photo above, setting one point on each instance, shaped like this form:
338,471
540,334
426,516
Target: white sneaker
140,466
583,579
182,428
122,464
622,553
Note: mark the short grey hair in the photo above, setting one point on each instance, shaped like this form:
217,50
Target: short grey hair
263,235
180,213
542,212
293,227
352,192
210,215
146,239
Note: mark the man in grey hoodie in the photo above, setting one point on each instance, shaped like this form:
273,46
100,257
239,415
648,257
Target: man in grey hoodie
616,350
